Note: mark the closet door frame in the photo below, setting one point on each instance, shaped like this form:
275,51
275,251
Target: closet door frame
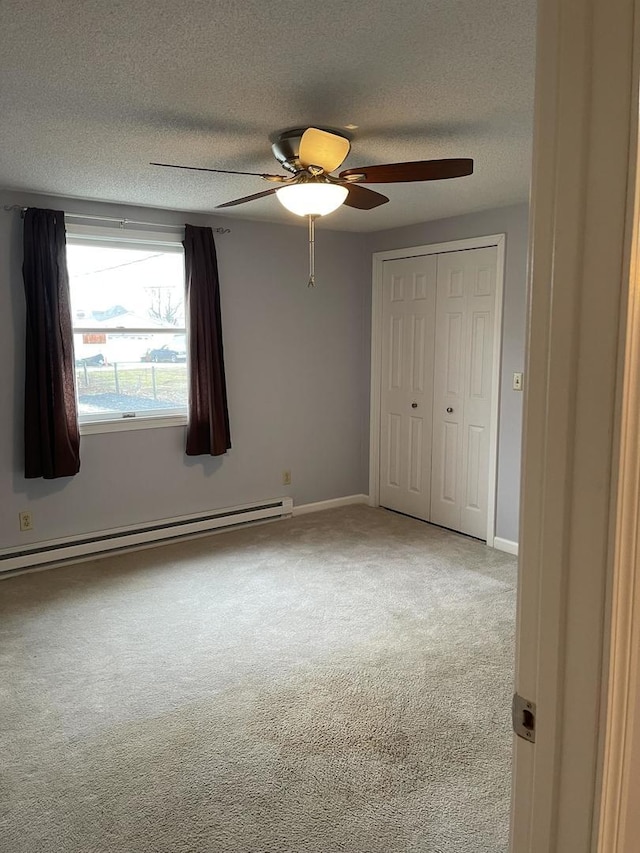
497,240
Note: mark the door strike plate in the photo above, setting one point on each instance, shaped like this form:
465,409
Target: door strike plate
523,713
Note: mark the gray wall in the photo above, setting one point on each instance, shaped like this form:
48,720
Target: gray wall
297,374
297,371
512,221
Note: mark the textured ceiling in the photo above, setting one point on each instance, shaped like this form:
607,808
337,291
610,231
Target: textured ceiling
90,92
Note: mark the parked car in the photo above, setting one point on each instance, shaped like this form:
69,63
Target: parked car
97,360
165,353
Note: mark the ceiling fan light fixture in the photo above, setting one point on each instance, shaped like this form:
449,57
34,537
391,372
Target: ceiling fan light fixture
312,199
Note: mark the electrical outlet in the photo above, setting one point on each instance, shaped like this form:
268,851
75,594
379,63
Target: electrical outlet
286,478
26,521
517,381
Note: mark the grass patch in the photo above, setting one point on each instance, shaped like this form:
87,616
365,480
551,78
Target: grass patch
161,382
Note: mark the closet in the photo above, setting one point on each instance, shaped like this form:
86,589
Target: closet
437,367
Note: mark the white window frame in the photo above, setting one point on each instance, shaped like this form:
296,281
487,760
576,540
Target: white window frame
109,235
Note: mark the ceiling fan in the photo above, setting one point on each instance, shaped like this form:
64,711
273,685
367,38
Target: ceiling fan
311,155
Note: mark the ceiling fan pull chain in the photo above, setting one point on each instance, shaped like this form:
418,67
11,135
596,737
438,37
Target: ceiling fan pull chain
312,251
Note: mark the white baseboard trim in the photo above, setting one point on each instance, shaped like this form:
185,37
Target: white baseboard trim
505,545
334,503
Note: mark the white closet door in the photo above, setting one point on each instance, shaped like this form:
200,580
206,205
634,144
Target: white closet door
466,287
408,317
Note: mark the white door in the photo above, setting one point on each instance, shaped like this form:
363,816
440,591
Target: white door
408,319
438,314
465,312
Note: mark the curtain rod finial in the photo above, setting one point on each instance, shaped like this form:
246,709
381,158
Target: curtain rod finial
10,208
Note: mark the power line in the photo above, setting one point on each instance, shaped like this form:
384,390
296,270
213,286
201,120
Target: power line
119,266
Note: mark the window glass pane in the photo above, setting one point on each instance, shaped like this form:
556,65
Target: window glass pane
120,287
130,343
145,374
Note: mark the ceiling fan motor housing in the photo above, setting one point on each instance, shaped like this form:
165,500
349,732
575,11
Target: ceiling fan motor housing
286,146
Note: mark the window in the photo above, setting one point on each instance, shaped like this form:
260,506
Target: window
128,314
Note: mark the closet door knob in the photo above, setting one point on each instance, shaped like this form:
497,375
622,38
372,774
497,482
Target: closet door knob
449,409
414,405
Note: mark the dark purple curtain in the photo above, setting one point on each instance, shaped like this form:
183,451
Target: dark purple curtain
208,429
51,434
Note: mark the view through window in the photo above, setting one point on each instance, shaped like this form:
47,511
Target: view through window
128,312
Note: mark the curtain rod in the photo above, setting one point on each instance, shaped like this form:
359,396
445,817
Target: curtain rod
120,219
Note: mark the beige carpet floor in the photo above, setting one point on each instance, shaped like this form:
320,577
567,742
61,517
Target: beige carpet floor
337,682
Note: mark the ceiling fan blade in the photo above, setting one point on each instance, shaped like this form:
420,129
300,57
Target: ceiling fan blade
363,198
222,171
247,198
321,148
418,170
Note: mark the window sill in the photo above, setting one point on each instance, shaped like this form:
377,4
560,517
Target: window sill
125,424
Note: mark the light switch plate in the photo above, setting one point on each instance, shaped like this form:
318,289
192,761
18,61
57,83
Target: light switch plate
517,381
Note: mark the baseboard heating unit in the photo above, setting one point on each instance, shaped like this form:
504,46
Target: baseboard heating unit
75,548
